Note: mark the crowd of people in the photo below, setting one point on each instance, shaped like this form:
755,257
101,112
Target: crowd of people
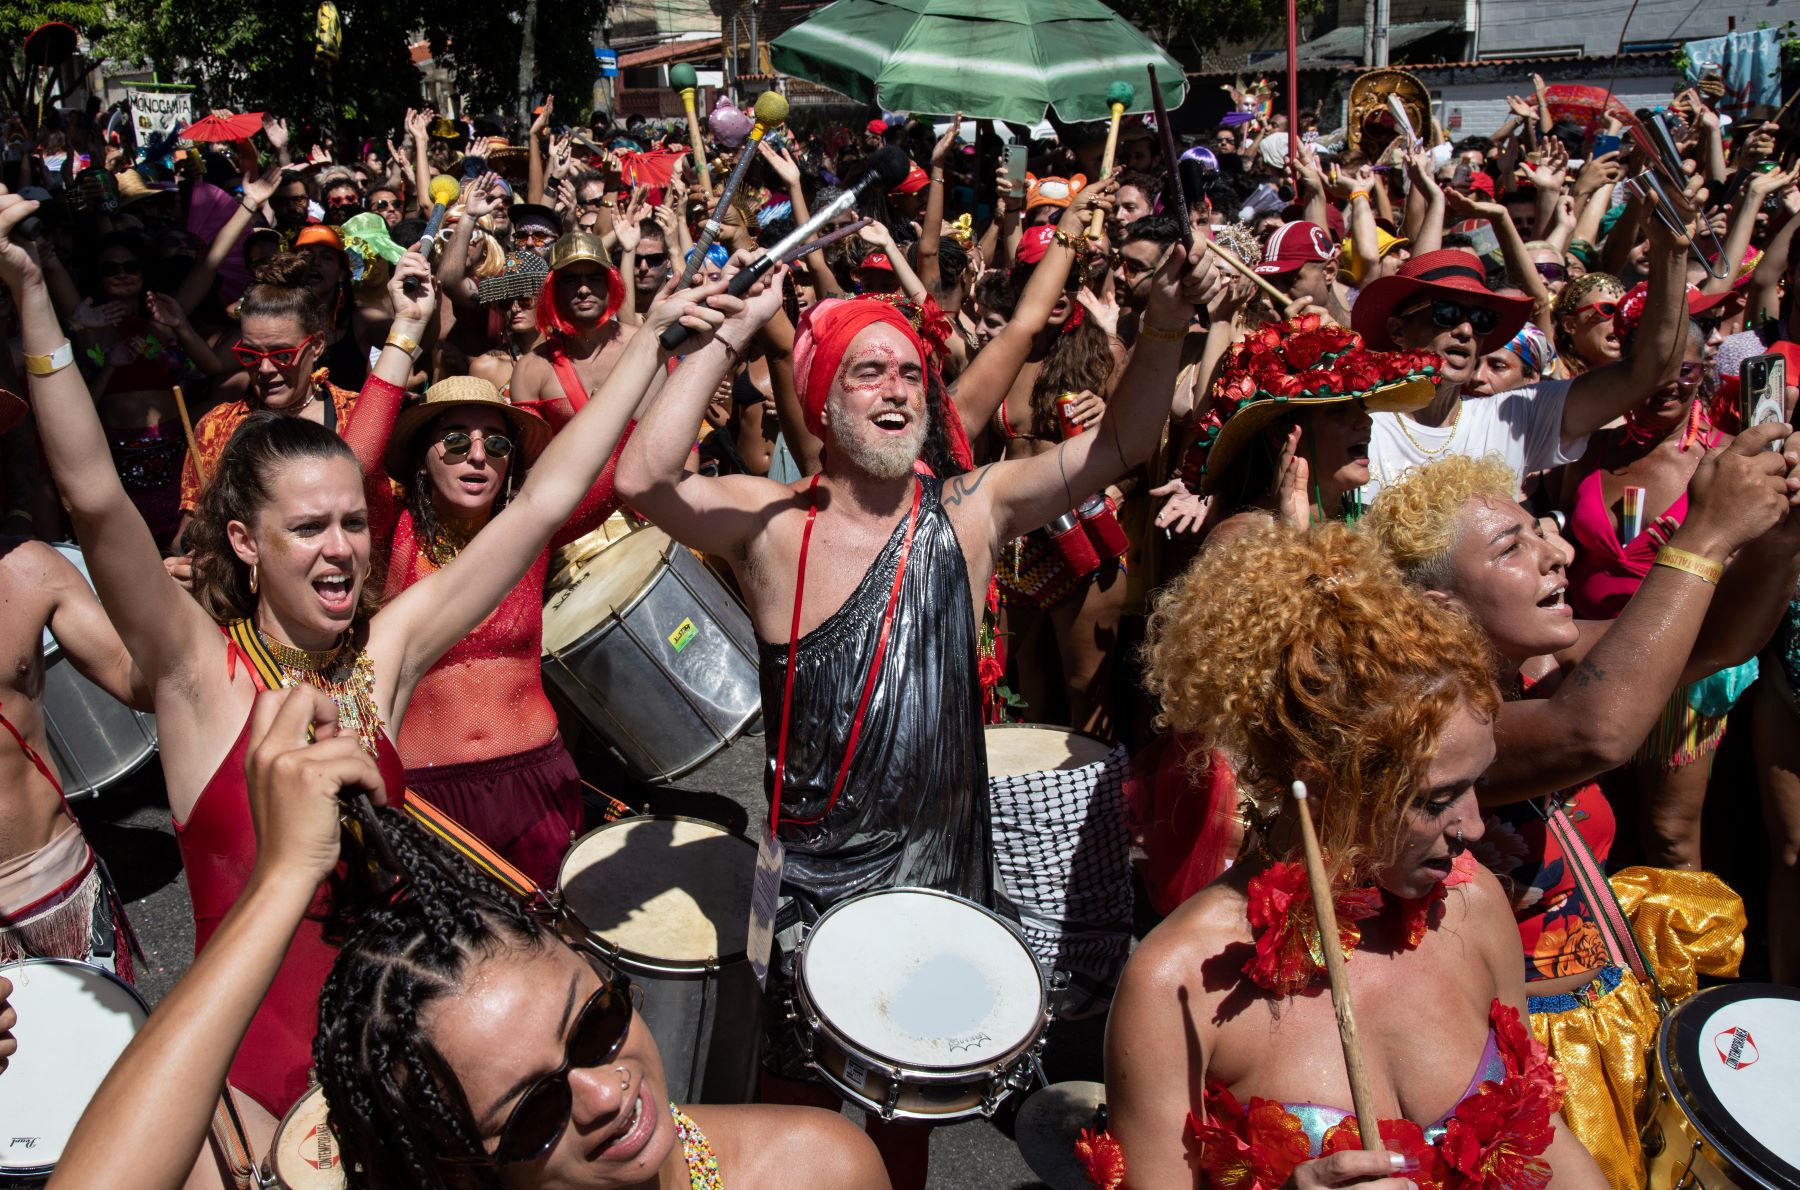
1416,469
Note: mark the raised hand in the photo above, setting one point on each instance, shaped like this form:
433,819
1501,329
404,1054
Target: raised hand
276,129
782,163
946,142
1293,478
297,768
541,121
1182,510
413,291
481,195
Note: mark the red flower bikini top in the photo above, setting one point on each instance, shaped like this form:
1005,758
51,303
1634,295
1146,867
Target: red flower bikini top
1493,1139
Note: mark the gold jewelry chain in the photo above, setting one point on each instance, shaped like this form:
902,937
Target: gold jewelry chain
1427,451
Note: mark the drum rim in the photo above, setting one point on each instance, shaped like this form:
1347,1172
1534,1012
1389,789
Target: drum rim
31,1171
1741,1150
652,964
625,609
921,1071
287,1118
1111,746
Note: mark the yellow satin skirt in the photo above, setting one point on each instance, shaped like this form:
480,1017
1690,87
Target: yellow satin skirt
1603,1037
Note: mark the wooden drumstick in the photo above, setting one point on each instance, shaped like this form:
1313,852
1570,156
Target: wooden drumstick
1325,912
1225,254
1118,98
187,429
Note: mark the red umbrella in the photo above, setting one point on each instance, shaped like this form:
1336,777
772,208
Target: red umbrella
1582,104
654,169
225,127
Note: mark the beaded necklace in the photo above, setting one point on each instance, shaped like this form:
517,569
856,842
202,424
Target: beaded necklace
448,537
703,1165
344,672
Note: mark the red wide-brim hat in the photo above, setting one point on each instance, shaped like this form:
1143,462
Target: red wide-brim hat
1449,273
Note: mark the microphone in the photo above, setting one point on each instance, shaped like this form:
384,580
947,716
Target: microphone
887,169
444,190
771,110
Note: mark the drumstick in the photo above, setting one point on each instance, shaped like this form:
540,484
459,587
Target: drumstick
1325,912
187,428
1225,254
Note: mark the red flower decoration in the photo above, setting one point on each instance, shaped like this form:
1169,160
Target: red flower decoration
1253,1149
1420,914
1289,960
1103,1159
1397,1136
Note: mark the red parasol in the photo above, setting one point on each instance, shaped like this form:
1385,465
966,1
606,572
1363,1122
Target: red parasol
50,44
655,168
223,127
1582,104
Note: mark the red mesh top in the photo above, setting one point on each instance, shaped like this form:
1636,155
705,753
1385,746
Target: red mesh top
484,698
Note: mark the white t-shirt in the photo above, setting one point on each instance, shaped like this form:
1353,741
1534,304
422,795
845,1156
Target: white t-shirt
1523,426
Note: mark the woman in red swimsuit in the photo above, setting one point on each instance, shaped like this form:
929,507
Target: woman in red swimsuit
1222,1052
282,556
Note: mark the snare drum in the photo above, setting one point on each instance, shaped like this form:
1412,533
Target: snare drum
75,1019
651,654
304,1154
1728,1064
668,901
95,740
1063,847
919,1005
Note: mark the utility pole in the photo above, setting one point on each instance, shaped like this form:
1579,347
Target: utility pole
1368,56
1379,37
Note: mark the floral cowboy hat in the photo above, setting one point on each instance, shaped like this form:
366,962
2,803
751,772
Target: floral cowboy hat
1297,364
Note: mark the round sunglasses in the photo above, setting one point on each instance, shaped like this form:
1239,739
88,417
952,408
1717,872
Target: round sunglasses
458,443
1447,315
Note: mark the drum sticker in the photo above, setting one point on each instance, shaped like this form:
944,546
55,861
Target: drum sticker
765,896
318,1148
1737,1049
856,1074
684,633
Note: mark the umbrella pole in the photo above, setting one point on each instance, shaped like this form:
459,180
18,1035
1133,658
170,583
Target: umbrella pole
1293,91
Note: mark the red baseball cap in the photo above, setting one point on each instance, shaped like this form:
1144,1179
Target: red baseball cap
1035,242
916,180
878,127
878,261
1293,246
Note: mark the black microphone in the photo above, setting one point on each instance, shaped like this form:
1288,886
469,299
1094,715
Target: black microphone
887,169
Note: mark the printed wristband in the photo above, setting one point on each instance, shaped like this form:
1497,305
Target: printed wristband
49,365
1688,563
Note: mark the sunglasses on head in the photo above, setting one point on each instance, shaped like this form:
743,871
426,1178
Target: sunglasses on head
1447,315
115,268
281,357
458,443
1550,271
541,1116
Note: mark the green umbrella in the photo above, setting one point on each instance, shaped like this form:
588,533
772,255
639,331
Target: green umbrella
1010,62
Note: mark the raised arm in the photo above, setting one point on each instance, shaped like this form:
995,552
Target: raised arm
1597,397
416,628
82,630
931,231
259,186
372,422
160,624
878,235
478,198
1024,494
158,1099
716,514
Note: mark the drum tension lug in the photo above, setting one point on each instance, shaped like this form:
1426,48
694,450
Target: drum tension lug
891,1101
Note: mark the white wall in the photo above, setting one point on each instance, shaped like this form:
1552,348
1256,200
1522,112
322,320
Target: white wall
1483,105
1592,27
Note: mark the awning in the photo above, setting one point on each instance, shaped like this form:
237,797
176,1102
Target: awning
672,52
1343,46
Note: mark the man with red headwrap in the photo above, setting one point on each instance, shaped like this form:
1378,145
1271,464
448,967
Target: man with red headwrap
582,338
869,575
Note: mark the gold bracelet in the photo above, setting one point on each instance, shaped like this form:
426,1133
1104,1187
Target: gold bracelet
50,365
1073,243
395,339
1161,334
1694,564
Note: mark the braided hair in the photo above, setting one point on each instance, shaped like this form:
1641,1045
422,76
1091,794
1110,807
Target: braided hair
396,1107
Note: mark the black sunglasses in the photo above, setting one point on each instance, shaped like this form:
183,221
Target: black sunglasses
1550,271
655,260
1447,315
541,1116
114,268
458,444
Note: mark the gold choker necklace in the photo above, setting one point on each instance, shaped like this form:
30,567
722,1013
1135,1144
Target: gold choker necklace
448,539
345,673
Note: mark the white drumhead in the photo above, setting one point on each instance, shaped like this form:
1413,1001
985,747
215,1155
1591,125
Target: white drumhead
1750,1051
1018,748
663,887
603,586
305,1155
74,1022
922,979
72,552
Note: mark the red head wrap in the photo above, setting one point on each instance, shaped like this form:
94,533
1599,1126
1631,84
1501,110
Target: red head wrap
826,331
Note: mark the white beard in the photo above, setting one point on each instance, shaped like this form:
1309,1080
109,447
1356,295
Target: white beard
880,455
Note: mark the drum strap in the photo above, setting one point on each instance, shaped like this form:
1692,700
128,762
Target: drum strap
1622,947
862,706
265,671
233,1143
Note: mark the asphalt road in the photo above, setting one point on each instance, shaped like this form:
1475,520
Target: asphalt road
131,829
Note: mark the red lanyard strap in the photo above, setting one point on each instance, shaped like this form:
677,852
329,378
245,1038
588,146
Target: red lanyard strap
862,705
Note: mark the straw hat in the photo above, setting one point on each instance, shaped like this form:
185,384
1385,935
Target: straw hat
531,433
1297,364
133,188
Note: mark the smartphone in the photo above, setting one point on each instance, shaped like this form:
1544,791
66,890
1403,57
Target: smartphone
1604,144
1762,393
1015,164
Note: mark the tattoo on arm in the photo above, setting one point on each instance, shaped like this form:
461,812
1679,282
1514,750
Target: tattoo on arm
1587,674
964,485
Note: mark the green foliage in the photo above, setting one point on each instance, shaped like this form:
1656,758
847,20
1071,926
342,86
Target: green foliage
258,54
1188,27
18,19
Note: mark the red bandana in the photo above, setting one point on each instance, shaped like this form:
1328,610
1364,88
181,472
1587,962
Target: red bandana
825,333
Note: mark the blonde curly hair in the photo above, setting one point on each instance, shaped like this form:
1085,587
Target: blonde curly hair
1295,650
1414,518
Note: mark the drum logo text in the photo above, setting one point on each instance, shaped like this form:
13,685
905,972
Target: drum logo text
317,1148
1737,1049
684,632
23,1142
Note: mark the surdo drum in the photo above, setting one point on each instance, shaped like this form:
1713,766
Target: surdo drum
1728,1092
75,1019
919,1005
305,1154
667,900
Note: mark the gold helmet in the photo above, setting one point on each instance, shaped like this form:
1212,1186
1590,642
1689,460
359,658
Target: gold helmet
1369,124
